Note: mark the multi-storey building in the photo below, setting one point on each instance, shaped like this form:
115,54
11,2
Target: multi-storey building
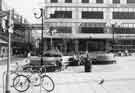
92,25
21,36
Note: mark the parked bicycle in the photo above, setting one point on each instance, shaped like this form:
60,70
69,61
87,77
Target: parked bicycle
22,82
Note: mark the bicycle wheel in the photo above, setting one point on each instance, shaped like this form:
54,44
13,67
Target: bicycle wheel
35,79
48,83
21,83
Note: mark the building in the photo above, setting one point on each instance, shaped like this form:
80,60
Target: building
91,25
21,36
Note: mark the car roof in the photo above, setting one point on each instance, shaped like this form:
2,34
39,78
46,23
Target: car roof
52,52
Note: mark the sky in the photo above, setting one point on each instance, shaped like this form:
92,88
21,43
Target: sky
25,7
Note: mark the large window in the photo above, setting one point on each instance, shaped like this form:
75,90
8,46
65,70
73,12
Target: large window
92,15
131,1
123,15
124,30
68,1
85,1
54,1
92,30
99,1
61,14
63,29
116,1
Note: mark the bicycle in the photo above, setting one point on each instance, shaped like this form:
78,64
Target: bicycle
22,82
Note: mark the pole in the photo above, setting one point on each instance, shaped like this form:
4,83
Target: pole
42,20
10,30
8,64
51,42
113,36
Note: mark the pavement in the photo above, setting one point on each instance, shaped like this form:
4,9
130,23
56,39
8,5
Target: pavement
118,78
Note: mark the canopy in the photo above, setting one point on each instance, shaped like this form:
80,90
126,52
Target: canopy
2,41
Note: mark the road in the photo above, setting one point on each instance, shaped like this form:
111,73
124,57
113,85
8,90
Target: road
118,78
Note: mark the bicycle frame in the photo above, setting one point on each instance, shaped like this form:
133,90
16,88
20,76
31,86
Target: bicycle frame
28,80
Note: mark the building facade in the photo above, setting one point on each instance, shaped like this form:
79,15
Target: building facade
90,25
21,36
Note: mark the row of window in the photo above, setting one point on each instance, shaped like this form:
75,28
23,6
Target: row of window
97,1
83,1
93,15
64,29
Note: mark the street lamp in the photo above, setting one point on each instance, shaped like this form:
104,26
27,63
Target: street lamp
113,25
52,32
40,14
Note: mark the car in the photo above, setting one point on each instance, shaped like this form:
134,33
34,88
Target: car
66,60
52,59
104,58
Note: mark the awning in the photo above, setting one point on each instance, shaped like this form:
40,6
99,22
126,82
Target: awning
80,36
3,42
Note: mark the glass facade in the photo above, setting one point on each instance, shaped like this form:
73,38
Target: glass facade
62,29
99,1
130,1
68,1
123,15
124,30
61,14
92,30
54,1
92,15
116,1
85,1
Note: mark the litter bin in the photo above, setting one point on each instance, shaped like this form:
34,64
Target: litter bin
87,65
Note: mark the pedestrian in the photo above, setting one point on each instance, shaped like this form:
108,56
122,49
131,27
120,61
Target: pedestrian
87,64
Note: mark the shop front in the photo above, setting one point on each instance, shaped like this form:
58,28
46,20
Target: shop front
78,43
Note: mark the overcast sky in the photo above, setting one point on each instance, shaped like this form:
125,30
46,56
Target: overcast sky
25,7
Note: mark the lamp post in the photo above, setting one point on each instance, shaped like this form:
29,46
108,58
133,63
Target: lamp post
40,14
10,31
116,24
113,40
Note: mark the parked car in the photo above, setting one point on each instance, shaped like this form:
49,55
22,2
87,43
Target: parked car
52,59
104,58
67,60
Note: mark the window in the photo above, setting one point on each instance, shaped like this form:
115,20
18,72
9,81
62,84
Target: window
92,30
92,15
61,14
123,15
54,1
130,1
116,1
85,1
124,30
68,1
99,1
63,29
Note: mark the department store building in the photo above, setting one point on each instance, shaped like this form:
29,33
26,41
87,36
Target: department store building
90,25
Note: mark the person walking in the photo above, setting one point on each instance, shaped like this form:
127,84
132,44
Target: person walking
87,64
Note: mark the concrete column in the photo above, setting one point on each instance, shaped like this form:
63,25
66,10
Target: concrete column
108,45
108,18
123,1
75,28
76,46
65,46
108,1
